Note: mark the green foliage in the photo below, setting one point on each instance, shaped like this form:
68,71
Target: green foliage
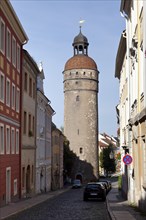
68,159
105,161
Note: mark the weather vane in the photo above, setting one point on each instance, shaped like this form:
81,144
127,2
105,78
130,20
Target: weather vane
81,23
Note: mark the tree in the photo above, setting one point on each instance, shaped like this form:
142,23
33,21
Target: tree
106,162
68,159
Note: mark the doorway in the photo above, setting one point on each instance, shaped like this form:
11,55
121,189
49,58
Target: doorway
8,185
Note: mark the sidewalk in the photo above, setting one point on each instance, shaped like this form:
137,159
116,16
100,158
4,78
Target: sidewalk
24,204
119,209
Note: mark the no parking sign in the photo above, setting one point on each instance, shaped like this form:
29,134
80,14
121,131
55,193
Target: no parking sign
127,159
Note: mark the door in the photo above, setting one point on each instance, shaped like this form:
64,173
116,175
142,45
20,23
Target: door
8,185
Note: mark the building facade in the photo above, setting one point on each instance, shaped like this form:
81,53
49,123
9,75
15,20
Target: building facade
12,38
81,109
30,71
57,158
43,151
131,73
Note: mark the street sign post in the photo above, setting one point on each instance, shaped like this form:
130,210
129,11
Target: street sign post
127,159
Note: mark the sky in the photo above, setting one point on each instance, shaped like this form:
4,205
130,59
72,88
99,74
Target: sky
51,27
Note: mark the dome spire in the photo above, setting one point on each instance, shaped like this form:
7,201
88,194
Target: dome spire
80,42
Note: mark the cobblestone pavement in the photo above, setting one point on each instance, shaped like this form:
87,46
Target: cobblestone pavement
67,206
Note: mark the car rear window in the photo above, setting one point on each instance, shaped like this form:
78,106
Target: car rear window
93,186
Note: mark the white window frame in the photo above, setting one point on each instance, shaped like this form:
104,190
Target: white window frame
8,45
2,143
8,88
8,139
18,57
2,87
14,51
12,140
13,96
15,187
17,100
2,36
17,141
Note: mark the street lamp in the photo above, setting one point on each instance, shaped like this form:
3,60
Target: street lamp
111,155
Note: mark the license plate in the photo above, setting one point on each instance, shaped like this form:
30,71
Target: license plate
93,194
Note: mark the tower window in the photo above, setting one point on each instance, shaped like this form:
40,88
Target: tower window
81,150
76,73
78,131
77,98
84,73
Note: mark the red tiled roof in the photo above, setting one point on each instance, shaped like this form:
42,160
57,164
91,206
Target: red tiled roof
80,62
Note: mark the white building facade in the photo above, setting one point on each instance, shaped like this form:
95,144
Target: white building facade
43,151
130,69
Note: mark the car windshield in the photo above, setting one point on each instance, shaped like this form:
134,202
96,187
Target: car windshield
77,181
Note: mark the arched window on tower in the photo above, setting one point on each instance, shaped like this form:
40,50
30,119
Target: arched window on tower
77,98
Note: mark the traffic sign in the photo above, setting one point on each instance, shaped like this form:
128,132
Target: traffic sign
127,159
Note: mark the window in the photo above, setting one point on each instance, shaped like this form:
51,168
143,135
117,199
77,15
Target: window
30,86
7,139
15,187
13,96
8,47
24,122
23,177
25,82
18,58
33,126
8,92
14,51
12,140
2,86
34,90
1,139
17,100
2,36
29,125
81,150
32,174
77,98
17,141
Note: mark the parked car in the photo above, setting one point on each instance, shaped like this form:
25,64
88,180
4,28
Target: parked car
76,184
94,190
105,184
108,183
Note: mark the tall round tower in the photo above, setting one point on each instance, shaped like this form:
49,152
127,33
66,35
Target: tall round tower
81,109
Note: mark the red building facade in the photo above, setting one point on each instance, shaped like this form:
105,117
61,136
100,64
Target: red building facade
12,38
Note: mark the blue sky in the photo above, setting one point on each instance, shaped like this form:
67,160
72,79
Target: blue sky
51,27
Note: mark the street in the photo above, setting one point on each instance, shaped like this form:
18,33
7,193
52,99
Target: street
68,205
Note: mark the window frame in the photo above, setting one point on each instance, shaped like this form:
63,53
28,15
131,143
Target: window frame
2,91
8,92
13,96
12,140
8,140
2,37
14,51
8,44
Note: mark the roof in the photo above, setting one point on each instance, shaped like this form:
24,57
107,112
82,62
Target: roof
80,38
120,55
80,62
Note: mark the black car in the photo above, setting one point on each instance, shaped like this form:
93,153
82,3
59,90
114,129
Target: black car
94,190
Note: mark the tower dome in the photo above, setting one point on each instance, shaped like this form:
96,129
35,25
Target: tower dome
80,38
